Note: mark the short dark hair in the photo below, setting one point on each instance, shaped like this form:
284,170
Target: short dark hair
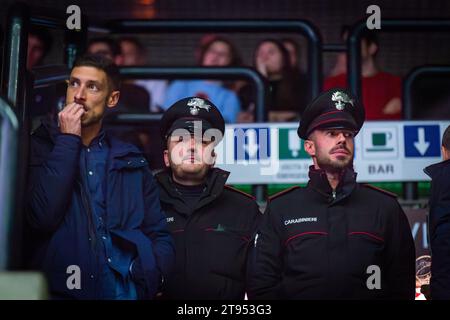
111,43
369,36
446,138
101,63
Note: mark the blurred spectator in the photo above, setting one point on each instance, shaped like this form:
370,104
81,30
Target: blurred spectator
39,44
44,100
218,52
287,95
439,222
293,49
204,42
134,54
106,47
381,91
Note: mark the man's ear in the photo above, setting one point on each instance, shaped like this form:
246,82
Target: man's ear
310,147
166,158
113,99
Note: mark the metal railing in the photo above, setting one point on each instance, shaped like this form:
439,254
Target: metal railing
49,75
9,128
218,73
409,81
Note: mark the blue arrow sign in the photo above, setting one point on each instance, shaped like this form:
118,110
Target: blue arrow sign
422,141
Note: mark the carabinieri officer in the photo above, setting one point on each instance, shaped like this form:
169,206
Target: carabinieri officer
212,224
334,238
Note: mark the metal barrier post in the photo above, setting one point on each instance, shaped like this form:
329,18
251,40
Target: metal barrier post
9,127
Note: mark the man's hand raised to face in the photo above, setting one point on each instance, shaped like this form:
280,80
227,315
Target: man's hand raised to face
70,118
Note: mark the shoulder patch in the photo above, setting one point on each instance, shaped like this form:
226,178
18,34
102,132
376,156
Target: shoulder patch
276,195
241,192
380,190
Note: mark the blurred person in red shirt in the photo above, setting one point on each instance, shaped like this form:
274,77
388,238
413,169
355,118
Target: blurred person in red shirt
381,91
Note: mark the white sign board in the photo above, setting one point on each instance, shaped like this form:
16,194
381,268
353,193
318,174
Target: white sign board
262,153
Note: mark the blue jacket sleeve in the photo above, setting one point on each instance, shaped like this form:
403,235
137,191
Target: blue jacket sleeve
51,182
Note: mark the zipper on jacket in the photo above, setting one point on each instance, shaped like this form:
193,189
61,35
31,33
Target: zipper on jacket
334,194
91,230
87,206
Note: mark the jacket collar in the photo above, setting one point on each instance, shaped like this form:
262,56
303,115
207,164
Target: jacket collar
318,181
436,169
214,186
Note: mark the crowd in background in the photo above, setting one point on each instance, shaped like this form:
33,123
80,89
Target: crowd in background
276,59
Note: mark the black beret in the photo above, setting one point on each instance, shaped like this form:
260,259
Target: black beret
335,108
190,112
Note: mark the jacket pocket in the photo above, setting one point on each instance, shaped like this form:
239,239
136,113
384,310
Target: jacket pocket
368,247
228,252
305,254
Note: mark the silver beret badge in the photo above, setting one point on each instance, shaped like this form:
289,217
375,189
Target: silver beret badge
340,99
196,104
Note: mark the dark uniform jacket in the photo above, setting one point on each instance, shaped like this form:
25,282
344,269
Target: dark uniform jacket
439,224
211,239
314,243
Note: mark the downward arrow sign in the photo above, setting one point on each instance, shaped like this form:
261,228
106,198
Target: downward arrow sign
421,145
251,146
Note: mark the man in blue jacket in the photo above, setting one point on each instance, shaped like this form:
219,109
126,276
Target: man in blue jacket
98,231
439,223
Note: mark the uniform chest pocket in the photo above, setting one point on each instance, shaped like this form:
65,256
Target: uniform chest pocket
367,247
227,252
304,253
